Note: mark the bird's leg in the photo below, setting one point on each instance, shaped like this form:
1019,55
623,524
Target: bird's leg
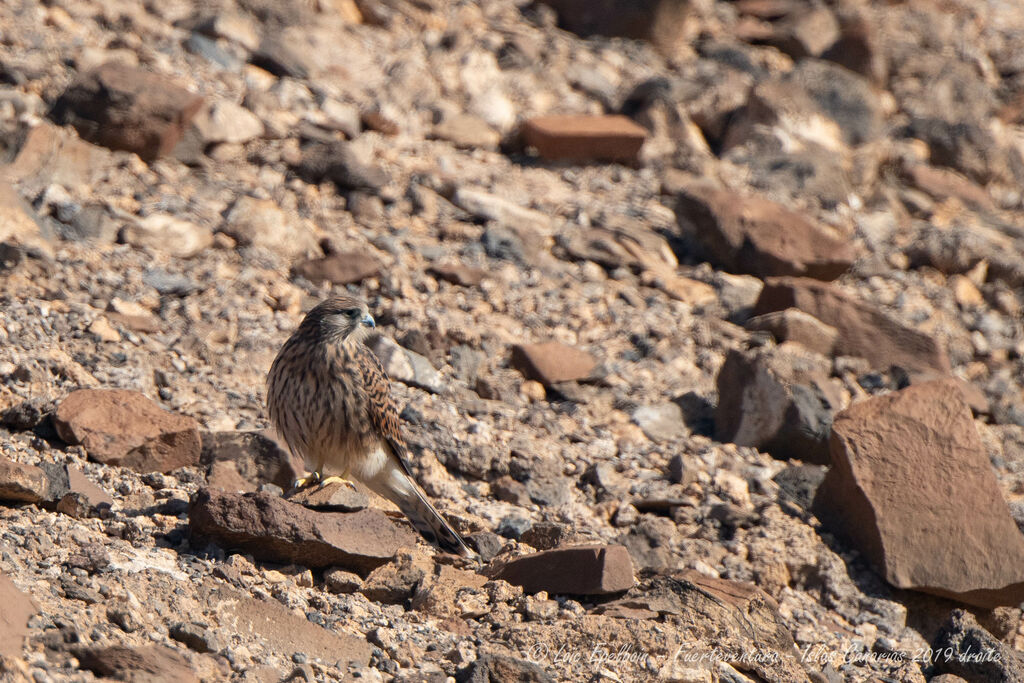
309,480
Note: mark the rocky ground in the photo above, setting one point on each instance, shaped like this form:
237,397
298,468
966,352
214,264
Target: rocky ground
704,318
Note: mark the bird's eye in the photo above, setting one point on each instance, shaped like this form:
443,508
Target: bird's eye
352,312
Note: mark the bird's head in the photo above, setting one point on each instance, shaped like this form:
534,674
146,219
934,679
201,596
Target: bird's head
340,317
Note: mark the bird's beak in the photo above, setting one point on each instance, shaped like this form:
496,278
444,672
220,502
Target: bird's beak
368,321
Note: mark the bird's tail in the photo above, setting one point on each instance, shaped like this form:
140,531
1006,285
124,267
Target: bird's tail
399,487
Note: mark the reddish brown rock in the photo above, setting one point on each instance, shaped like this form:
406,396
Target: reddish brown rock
22,483
52,486
909,475
759,237
120,427
577,570
127,108
864,330
942,183
552,362
457,274
794,325
14,616
585,138
151,663
332,496
281,630
342,268
275,530
707,606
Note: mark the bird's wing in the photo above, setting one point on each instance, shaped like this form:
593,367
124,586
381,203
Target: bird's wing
383,414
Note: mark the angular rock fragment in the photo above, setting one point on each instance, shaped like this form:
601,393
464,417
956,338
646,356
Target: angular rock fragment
341,268
51,154
778,400
552,362
278,628
793,325
457,274
504,668
14,615
275,530
576,570
120,427
585,138
909,473
241,461
168,234
468,132
757,236
864,330
963,648
662,22
128,108
405,366
334,496
152,663
341,163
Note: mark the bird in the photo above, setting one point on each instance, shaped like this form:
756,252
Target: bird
330,400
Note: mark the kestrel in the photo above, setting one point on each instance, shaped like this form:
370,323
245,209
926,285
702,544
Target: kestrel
330,400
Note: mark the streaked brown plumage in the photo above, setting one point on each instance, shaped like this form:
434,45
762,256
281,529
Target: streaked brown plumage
330,400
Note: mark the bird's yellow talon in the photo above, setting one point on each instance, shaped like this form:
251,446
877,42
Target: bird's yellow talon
333,479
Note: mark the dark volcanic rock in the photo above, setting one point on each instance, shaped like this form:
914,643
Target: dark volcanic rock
963,648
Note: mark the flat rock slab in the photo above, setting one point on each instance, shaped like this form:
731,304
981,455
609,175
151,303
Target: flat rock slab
275,530
552,362
120,427
912,487
864,330
281,630
332,496
14,616
342,268
585,138
127,108
152,663
579,570
756,236
48,485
